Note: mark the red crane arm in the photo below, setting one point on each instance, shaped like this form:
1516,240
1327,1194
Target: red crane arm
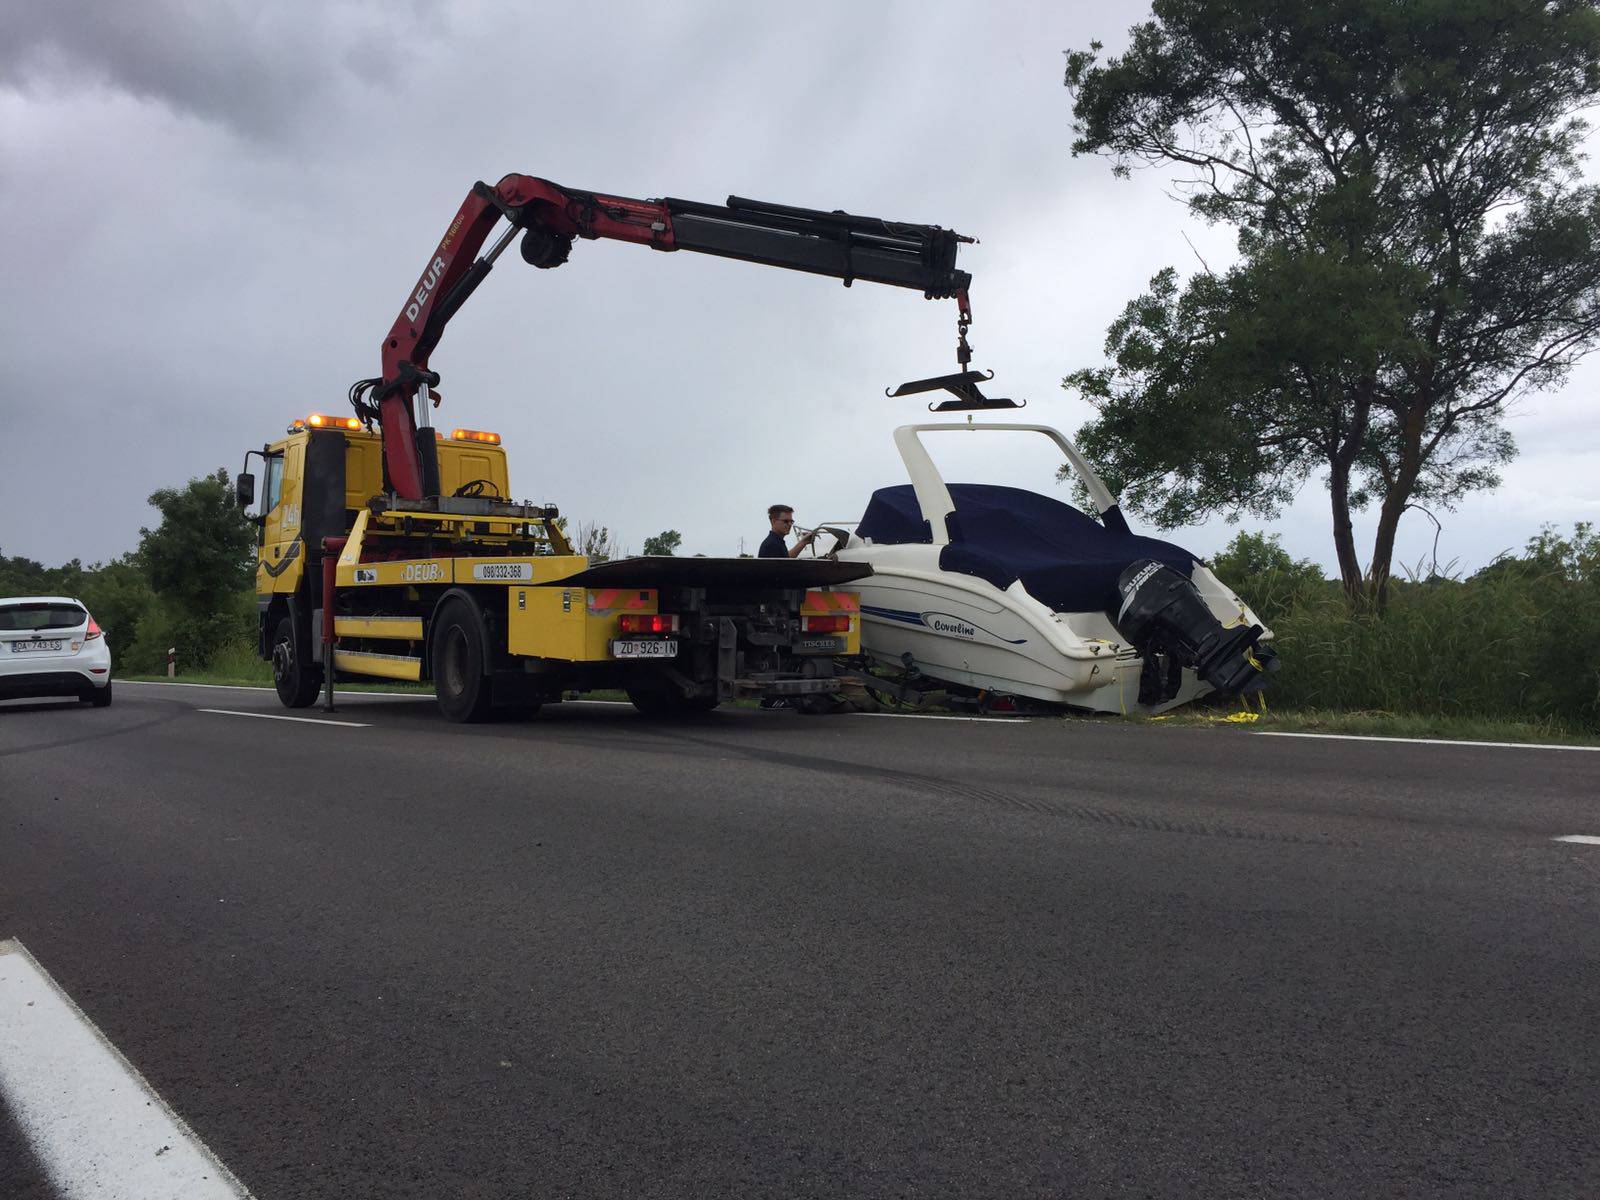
550,217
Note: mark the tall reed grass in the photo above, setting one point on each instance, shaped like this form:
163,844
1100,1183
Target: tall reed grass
238,661
1519,640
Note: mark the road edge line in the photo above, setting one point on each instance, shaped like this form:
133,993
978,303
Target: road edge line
235,712
351,695
1371,737
258,687
230,1181
944,717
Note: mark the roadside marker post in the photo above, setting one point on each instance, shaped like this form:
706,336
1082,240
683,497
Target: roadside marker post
172,662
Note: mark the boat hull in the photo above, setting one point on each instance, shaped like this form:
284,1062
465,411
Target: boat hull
957,627
967,632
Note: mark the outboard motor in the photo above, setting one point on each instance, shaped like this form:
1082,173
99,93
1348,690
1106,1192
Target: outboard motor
1163,615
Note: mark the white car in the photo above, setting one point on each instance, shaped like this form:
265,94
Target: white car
51,646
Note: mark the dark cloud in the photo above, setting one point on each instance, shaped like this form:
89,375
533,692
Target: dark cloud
215,209
259,69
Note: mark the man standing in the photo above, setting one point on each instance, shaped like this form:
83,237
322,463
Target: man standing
772,546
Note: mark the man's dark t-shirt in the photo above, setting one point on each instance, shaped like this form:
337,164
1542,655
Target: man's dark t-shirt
773,546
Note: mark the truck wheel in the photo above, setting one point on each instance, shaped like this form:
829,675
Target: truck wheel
669,702
297,680
463,691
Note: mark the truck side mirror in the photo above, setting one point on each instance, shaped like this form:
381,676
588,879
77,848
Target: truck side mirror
244,490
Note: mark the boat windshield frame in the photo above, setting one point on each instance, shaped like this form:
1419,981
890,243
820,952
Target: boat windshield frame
933,497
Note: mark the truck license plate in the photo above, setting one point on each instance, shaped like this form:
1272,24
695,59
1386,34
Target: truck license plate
24,647
644,649
819,645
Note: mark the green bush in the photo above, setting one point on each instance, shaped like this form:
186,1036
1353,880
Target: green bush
26,577
189,584
203,552
1265,576
239,660
117,594
1566,651
1518,640
198,638
120,597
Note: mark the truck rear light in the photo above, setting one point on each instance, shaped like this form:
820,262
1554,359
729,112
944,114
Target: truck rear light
829,624
649,623
475,435
93,631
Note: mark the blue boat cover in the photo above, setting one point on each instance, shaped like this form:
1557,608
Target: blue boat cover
1065,558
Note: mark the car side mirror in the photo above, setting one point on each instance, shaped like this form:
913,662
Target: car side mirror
244,490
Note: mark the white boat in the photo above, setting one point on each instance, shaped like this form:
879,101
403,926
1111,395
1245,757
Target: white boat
999,592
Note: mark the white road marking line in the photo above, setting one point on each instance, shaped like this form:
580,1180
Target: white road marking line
938,717
252,687
1363,737
230,712
96,1125
1584,839
249,687
246,687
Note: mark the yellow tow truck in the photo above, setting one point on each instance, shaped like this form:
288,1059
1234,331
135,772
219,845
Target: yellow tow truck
487,599
400,554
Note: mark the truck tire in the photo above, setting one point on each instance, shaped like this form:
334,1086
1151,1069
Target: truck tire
669,702
296,679
464,692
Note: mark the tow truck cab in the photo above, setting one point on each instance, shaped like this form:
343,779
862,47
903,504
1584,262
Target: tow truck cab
314,482
486,598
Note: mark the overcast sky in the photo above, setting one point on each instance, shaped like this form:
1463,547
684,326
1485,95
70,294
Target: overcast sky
214,210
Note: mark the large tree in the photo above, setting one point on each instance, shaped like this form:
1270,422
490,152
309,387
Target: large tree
1416,250
200,558
664,543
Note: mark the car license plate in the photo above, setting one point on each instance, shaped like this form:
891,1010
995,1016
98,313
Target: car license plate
644,649
24,647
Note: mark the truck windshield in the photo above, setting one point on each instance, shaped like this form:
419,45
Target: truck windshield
14,617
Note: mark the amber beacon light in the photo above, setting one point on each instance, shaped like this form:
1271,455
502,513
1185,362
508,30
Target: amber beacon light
323,421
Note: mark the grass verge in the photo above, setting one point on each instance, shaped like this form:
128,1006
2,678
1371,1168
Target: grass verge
1376,723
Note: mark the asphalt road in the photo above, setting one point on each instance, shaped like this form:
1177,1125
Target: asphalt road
762,954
